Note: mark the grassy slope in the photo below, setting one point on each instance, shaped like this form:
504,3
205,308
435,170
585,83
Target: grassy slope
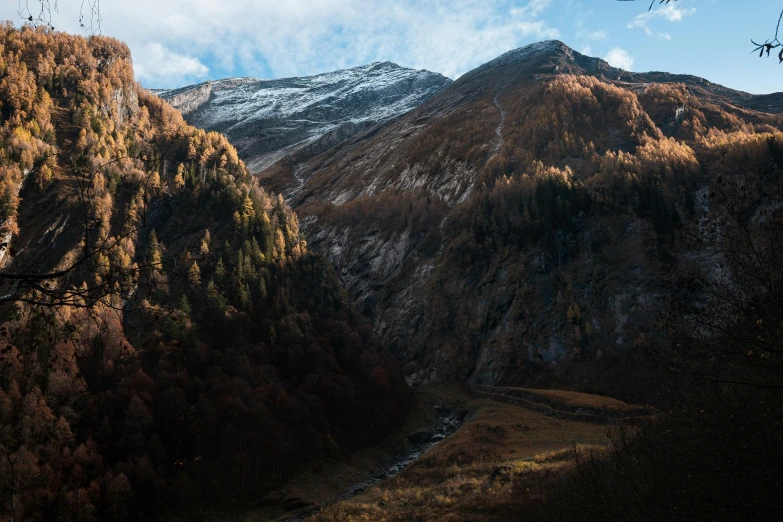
477,473
580,400
502,451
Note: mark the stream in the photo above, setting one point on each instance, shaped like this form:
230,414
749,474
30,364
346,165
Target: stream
448,422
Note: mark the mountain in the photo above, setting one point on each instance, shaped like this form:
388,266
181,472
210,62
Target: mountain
167,339
173,346
269,119
513,228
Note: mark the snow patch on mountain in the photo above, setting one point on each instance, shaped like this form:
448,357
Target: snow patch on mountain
269,119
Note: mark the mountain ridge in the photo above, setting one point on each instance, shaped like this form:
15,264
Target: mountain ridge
563,58
529,65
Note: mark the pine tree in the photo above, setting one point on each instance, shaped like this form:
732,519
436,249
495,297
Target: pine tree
216,303
205,243
248,211
153,250
262,289
220,271
227,251
184,305
194,274
179,179
153,184
243,294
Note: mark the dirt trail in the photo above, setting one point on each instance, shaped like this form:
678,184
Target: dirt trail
552,408
499,129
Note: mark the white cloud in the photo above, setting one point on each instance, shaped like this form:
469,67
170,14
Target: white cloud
172,40
665,36
585,37
536,7
620,58
592,35
154,64
669,12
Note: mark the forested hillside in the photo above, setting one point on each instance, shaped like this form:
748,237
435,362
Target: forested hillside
168,340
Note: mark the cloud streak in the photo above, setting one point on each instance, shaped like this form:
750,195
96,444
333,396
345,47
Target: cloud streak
584,34
669,12
155,64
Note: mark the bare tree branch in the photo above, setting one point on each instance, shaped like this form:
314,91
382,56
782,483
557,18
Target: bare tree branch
40,13
761,48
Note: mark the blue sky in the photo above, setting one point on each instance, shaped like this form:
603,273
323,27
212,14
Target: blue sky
177,42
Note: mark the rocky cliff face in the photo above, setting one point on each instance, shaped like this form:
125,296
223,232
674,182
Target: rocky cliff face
187,99
270,119
516,225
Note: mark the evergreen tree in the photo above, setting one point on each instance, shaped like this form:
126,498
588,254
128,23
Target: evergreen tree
194,274
184,305
204,249
153,250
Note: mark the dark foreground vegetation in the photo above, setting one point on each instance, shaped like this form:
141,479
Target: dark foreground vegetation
714,453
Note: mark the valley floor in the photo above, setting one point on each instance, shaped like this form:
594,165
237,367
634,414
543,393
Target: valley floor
512,441
501,453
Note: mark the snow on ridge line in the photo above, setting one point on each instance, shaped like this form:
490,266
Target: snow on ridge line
244,100
267,119
356,71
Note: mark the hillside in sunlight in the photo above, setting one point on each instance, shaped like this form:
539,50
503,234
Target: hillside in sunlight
167,338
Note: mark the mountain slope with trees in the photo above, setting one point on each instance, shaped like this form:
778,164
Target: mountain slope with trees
167,338
515,228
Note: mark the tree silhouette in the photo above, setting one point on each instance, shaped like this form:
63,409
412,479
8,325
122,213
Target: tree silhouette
666,2
768,45
39,12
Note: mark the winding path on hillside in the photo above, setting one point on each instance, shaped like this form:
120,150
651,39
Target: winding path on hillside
552,408
498,130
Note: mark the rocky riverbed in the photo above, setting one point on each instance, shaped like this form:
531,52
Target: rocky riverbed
448,422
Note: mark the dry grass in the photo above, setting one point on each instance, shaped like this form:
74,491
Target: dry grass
478,472
580,400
